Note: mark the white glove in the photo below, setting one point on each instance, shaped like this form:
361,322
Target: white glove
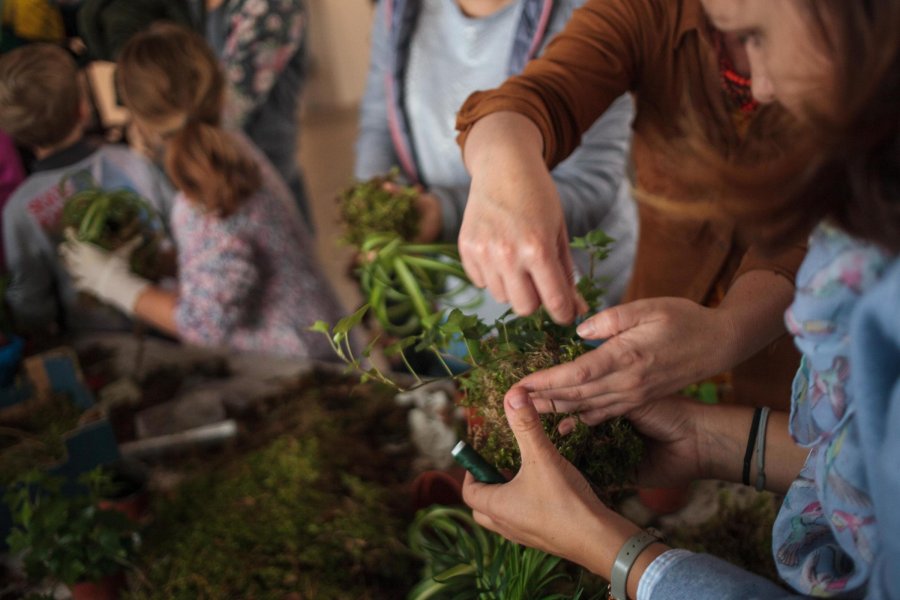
106,275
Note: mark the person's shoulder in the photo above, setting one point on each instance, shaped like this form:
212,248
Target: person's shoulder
122,152
35,186
657,16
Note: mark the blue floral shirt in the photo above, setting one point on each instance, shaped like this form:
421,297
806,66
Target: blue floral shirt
825,535
837,531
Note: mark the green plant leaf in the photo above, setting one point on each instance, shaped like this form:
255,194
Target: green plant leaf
349,322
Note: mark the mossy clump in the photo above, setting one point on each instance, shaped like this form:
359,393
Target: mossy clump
313,504
607,454
110,219
739,532
379,205
274,523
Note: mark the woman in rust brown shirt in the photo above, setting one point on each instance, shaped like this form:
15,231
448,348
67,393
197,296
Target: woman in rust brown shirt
700,301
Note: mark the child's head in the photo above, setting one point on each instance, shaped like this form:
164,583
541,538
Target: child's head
170,80
40,95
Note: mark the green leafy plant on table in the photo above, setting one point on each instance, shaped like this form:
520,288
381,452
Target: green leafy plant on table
497,357
67,537
465,561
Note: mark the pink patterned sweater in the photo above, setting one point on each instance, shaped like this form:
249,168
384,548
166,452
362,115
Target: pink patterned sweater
250,281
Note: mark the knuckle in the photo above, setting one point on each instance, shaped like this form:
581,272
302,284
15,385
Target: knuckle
581,374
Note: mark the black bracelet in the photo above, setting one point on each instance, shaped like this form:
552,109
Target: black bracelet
751,442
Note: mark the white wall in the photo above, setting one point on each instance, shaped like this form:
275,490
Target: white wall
339,52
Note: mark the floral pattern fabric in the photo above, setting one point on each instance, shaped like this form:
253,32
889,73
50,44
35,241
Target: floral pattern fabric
263,36
825,536
247,282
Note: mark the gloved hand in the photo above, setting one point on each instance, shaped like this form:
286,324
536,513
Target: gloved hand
106,275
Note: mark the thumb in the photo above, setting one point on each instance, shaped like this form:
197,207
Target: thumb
526,424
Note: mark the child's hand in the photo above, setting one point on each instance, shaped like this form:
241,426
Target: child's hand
106,275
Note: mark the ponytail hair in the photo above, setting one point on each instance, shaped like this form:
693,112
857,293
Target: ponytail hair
170,79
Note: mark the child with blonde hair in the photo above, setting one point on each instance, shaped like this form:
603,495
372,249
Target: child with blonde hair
247,275
44,107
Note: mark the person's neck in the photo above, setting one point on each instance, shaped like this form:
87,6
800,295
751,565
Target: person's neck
214,4
43,152
481,8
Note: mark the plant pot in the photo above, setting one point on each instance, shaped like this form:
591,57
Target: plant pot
107,588
438,487
663,501
132,499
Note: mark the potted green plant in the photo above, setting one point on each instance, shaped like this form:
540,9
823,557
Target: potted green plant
69,538
112,218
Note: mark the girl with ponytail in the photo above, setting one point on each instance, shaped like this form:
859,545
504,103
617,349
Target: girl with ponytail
247,275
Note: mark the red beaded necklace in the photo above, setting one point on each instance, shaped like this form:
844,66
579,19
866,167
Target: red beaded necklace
737,88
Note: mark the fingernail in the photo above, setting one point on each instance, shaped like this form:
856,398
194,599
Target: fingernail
585,329
517,401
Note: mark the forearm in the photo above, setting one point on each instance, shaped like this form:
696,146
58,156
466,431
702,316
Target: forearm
724,434
754,308
157,307
503,142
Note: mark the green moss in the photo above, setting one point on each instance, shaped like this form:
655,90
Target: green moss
607,453
308,506
368,208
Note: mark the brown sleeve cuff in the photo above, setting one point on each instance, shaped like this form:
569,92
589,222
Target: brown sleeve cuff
481,104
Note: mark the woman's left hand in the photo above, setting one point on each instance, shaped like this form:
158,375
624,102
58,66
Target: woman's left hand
548,505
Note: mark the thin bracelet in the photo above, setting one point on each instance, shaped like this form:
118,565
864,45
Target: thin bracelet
761,450
625,559
748,454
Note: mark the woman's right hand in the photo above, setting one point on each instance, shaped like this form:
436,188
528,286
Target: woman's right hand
513,238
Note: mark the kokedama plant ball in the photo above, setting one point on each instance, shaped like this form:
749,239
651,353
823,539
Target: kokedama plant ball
607,454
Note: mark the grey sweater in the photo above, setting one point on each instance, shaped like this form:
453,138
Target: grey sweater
452,55
40,293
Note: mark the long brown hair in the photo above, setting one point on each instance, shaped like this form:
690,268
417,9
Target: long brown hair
846,166
169,76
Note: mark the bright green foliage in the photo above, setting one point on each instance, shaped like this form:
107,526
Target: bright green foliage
379,205
110,219
464,561
706,392
67,537
403,282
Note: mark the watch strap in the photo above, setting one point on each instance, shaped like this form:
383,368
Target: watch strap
625,560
